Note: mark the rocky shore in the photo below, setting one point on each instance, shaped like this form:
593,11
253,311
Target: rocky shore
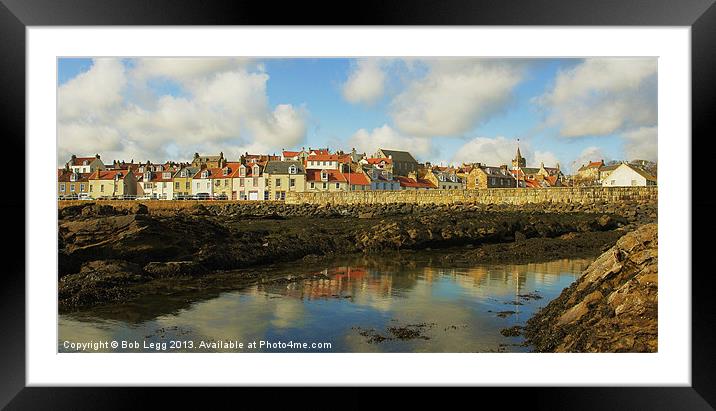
613,307
108,251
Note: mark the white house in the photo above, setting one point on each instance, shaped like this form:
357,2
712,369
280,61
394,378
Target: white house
156,184
249,183
627,175
85,164
202,184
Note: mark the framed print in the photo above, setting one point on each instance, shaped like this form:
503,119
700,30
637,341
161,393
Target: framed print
462,187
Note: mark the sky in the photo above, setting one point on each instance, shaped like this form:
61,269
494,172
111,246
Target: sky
443,110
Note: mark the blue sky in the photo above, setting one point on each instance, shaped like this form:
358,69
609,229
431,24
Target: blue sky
443,110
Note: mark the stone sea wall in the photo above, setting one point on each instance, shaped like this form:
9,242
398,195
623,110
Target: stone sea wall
514,196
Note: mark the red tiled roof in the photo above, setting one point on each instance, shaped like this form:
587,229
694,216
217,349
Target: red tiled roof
320,151
333,176
359,179
374,160
249,171
77,161
328,157
106,174
552,180
291,153
65,177
410,182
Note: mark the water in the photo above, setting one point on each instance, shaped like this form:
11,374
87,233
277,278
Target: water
358,305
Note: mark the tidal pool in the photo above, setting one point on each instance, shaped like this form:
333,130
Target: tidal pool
357,304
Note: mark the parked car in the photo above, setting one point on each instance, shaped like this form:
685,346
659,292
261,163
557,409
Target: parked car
84,196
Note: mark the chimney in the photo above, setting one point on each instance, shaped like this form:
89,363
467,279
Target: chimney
96,155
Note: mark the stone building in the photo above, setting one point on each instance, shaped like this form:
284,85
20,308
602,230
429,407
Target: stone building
403,161
283,177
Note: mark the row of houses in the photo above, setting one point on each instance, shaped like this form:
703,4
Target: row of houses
619,174
270,177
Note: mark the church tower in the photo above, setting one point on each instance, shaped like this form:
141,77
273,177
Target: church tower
519,161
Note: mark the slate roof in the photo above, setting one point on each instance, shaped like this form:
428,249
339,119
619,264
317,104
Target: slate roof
399,155
281,167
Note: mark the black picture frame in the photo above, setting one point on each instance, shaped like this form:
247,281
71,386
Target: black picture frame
700,15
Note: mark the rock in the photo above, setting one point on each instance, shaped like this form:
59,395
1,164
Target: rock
581,319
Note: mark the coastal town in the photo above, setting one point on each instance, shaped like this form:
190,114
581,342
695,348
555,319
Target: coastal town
261,177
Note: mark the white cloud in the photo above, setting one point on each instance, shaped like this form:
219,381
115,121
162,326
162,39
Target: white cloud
223,104
94,92
603,96
641,144
388,138
365,83
454,96
588,155
546,157
491,151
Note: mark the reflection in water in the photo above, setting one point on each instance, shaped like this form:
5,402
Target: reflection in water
459,309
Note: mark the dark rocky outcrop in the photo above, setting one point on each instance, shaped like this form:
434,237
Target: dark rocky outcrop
611,308
196,239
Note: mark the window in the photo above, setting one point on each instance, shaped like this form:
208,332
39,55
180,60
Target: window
292,183
338,185
325,185
292,169
256,181
353,186
90,188
218,183
633,182
241,182
313,185
283,195
612,182
277,196
176,185
278,182
266,195
82,187
188,185
101,187
62,187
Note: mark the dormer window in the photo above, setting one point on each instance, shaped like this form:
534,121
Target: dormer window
324,175
256,170
73,177
167,175
242,171
147,176
226,171
292,169
204,174
442,177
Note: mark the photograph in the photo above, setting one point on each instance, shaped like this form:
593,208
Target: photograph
357,204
